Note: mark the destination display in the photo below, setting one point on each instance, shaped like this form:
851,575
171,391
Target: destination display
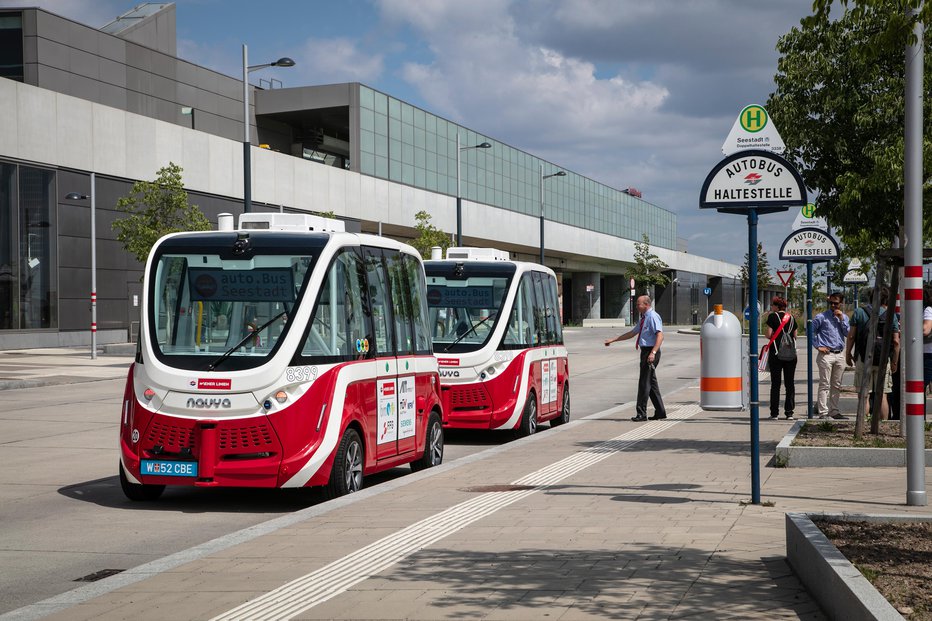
274,284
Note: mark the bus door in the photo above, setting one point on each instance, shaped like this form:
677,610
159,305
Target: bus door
546,368
407,304
384,420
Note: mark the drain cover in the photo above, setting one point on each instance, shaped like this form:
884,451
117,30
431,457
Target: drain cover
482,489
99,575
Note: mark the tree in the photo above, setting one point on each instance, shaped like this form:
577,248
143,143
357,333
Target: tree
648,270
839,104
763,270
156,208
428,235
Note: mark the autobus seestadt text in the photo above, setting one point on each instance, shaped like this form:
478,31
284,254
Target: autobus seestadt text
287,353
497,335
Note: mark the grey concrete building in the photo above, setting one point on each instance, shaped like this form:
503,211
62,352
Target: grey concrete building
119,103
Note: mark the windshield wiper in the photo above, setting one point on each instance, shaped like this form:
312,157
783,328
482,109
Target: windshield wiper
472,329
251,335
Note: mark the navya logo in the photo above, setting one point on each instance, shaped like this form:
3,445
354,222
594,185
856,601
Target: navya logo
207,404
446,373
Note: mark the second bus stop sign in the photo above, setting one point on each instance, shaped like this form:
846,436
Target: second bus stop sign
752,179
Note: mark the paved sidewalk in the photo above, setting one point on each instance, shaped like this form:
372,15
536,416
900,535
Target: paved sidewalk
29,368
599,519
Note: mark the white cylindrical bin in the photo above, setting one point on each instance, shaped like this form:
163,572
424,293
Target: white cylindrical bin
436,253
225,222
720,384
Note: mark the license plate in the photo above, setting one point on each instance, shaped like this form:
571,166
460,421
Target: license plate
165,468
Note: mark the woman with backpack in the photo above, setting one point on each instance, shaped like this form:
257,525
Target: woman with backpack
781,329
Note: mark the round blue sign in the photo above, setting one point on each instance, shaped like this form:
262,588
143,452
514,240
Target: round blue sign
707,291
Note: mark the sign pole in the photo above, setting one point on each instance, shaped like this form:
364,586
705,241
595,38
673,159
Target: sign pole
752,346
809,335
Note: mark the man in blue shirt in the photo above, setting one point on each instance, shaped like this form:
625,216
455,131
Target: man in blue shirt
650,337
829,332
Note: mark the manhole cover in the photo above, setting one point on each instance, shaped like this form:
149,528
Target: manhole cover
99,575
482,489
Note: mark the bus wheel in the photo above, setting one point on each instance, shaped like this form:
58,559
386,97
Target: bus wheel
433,450
346,475
529,419
138,492
564,416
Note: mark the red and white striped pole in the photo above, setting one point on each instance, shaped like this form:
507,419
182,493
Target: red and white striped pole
912,273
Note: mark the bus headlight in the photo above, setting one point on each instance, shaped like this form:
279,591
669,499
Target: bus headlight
281,396
148,393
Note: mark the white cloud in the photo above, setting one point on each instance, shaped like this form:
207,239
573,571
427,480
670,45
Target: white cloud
337,59
628,93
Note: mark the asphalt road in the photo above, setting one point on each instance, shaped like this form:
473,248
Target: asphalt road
64,516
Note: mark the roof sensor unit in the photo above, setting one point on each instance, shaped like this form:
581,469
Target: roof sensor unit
289,222
476,254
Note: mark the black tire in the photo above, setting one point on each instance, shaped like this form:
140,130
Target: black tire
433,447
346,474
564,416
529,418
139,492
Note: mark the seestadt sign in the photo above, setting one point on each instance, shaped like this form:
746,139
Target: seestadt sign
752,179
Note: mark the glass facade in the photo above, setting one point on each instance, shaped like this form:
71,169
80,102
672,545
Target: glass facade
405,144
28,261
11,46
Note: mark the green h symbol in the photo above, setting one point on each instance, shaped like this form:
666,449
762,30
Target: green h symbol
753,119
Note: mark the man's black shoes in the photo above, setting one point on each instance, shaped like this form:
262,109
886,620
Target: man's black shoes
639,419
657,417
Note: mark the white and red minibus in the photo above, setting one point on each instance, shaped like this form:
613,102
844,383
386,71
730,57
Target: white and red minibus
287,353
498,339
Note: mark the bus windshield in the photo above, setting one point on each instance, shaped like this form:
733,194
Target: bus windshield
209,312
464,307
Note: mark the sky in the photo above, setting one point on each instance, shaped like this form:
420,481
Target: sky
630,93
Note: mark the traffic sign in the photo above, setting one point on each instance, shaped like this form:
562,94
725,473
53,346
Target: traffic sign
854,277
809,245
753,129
590,288
806,219
786,276
707,291
752,179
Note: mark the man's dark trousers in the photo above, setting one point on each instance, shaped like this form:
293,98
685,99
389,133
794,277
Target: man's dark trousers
648,386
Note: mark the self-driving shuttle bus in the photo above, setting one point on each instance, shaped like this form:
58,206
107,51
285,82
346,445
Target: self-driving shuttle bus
287,353
498,339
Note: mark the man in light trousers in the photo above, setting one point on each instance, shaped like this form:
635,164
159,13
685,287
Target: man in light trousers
829,332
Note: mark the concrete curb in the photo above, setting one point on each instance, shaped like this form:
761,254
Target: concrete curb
787,456
838,587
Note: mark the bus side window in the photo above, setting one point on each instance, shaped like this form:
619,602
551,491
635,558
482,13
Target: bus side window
521,322
557,316
417,291
554,334
540,311
339,317
401,303
379,302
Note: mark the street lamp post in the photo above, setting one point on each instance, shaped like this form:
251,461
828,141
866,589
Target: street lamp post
247,143
459,191
74,196
559,173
